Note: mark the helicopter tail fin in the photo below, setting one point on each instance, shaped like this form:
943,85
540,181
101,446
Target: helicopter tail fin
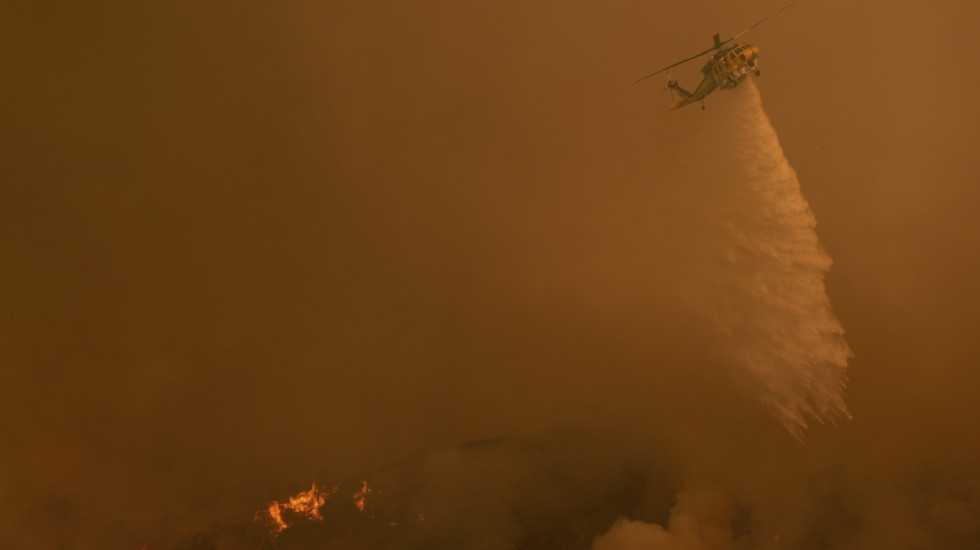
673,85
686,97
718,43
677,88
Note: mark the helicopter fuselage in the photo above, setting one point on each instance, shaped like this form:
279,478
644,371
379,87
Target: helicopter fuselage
728,66
724,70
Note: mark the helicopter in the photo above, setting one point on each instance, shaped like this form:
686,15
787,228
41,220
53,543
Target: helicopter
724,69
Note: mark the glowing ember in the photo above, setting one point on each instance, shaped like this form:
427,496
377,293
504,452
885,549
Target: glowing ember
361,495
306,504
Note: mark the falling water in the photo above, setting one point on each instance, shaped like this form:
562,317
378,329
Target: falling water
775,316
767,299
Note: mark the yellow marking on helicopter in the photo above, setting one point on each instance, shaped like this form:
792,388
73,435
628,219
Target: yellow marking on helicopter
726,67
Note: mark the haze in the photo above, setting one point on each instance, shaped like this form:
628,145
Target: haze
247,245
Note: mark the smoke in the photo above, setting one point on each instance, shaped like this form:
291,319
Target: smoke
702,519
927,506
253,245
772,306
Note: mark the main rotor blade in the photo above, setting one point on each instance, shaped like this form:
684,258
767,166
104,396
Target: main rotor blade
722,42
763,20
693,57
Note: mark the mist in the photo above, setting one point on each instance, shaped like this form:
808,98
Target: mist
248,247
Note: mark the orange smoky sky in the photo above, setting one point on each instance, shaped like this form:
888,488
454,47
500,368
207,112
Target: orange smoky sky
247,244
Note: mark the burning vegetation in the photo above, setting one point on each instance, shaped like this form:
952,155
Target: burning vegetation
498,491
304,505
360,497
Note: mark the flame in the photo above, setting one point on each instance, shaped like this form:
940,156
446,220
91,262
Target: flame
276,514
306,504
360,496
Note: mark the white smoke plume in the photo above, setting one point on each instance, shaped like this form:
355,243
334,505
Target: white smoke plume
772,308
701,520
